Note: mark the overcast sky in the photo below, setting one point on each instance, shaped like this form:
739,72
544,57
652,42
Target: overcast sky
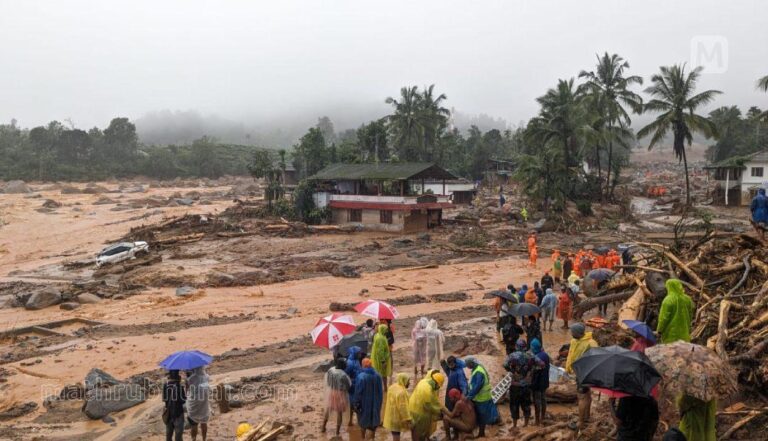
261,59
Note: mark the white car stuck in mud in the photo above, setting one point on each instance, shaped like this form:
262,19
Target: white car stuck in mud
120,252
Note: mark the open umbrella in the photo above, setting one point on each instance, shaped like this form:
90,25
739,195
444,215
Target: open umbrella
693,370
641,328
330,329
377,309
504,294
602,250
186,360
356,338
617,369
524,310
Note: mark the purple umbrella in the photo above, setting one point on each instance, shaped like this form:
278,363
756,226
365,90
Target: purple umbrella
186,360
641,328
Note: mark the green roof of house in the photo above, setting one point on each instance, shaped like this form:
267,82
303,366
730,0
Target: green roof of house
385,171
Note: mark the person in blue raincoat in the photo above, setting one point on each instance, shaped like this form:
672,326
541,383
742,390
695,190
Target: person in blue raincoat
454,370
368,398
759,209
352,369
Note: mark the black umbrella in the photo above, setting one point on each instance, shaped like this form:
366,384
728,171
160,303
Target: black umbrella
354,339
504,294
617,369
524,310
602,250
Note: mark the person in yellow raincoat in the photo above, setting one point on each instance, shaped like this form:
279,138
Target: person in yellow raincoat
397,419
380,354
698,418
581,342
675,314
424,406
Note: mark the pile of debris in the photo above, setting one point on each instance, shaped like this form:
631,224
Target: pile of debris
728,282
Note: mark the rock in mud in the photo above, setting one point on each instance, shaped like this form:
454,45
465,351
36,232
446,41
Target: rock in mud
656,283
43,298
217,278
50,203
69,306
95,189
17,410
400,243
345,271
72,392
69,189
104,201
184,291
134,189
102,401
98,378
184,201
16,187
88,298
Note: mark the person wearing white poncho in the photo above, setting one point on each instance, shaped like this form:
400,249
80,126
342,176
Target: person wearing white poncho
198,401
419,342
435,341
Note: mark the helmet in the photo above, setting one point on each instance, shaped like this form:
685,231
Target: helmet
439,379
242,429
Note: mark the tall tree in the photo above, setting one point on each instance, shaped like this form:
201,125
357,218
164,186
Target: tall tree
674,96
762,83
609,87
563,120
404,123
310,154
728,122
433,119
326,127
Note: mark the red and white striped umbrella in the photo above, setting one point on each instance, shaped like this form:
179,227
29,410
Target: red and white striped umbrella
329,329
377,309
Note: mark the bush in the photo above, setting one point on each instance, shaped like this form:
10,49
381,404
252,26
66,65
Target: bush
584,207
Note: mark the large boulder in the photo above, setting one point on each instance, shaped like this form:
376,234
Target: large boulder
43,298
16,187
88,298
102,401
96,378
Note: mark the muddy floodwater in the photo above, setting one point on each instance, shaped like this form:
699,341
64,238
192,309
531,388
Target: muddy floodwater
259,332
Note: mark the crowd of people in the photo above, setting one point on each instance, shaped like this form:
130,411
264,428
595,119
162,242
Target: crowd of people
359,384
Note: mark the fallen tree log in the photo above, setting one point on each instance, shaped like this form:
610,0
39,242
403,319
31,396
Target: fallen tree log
722,329
593,302
632,307
752,354
544,431
561,393
183,238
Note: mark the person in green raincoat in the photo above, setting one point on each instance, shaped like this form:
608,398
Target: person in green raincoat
380,354
424,406
698,418
675,314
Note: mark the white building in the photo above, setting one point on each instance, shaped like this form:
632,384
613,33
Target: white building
738,179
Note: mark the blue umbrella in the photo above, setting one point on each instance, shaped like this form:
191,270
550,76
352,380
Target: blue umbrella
186,360
641,328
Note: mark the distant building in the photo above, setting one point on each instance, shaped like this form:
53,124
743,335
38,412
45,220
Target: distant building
737,179
498,171
384,197
459,191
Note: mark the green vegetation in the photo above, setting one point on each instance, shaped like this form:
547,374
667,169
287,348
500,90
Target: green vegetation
56,152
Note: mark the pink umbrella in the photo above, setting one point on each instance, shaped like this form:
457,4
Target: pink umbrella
377,309
329,329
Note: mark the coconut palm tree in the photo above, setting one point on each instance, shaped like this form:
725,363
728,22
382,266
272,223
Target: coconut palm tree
562,120
404,123
762,83
609,88
432,118
673,91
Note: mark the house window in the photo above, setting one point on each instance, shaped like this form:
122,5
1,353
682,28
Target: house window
385,216
355,215
757,172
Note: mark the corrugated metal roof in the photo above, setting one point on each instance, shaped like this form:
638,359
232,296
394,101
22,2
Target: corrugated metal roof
386,171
